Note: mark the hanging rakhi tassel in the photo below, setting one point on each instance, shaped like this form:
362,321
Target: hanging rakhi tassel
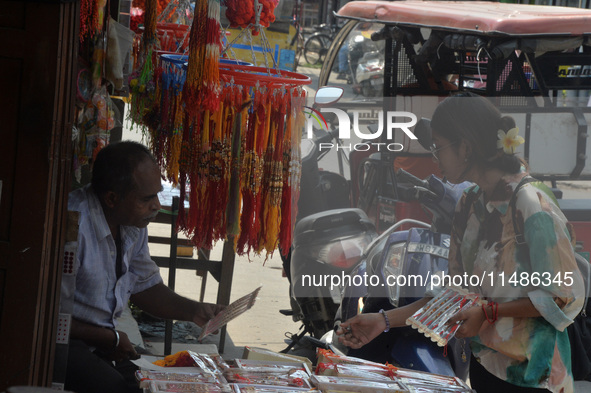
273,200
198,179
213,45
224,154
251,175
291,187
283,141
158,140
150,16
151,114
212,182
230,109
202,89
237,121
256,236
140,85
286,198
186,162
89,14
197,49
177,114
176,141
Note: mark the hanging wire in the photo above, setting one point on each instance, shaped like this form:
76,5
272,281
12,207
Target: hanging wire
177,5
482,48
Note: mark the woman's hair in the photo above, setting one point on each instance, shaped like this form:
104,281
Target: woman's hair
476,120
114,166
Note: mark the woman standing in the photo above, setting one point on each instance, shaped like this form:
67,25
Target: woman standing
519,342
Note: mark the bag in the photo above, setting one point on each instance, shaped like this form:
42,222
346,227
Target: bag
579,332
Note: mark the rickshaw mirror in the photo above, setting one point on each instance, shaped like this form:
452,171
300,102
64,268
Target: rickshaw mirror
423,133
328,95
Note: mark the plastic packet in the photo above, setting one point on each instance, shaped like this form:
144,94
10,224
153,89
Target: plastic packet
271,366
330,383
145,376
295,378
420,381
210,362
192,387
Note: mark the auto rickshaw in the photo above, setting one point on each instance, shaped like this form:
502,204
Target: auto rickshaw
533,61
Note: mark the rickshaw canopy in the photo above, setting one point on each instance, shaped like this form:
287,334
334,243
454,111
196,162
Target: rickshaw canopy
483,17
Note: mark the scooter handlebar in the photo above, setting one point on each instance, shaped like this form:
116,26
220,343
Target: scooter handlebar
406,177
321,136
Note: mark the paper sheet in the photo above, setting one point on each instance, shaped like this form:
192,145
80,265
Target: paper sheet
235,309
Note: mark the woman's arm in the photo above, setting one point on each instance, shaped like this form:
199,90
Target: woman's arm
475,317
362,328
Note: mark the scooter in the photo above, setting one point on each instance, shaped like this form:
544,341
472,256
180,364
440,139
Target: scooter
397,267
365,63
369,75
327,246
319,249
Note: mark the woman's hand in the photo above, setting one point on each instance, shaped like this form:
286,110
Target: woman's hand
473,319
361,329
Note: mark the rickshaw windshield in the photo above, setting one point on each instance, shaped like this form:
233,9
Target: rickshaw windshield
534,62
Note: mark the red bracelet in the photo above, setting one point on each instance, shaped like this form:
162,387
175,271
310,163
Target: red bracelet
494,308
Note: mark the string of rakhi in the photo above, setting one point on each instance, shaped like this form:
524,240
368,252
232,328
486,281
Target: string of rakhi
89,19
228,134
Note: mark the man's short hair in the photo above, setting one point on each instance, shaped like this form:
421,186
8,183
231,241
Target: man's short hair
114,166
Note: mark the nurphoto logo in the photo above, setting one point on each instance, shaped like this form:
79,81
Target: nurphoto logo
394,120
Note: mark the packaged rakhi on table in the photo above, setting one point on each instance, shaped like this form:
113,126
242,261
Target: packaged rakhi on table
380,373
270,365
212,363
190,387
431,319
328,356
265,389
420,381
327,383
296,379
145,376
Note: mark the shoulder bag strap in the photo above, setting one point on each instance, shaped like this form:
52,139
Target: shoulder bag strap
519,238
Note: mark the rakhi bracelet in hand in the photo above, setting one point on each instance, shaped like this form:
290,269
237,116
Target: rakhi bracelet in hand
494,308
385,319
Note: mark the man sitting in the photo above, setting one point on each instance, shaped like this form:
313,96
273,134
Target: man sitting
113,265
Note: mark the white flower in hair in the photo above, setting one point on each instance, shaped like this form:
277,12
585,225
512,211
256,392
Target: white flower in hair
509,140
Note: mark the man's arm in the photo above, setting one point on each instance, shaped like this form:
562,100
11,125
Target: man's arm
95,336
113,343
162,302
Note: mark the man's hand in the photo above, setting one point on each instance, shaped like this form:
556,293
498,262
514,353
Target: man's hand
162,302
203,312
361,329
125,350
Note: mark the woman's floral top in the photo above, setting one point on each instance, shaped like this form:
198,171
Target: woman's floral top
531,352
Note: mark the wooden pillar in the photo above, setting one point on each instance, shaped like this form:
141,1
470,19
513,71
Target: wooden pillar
38,50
